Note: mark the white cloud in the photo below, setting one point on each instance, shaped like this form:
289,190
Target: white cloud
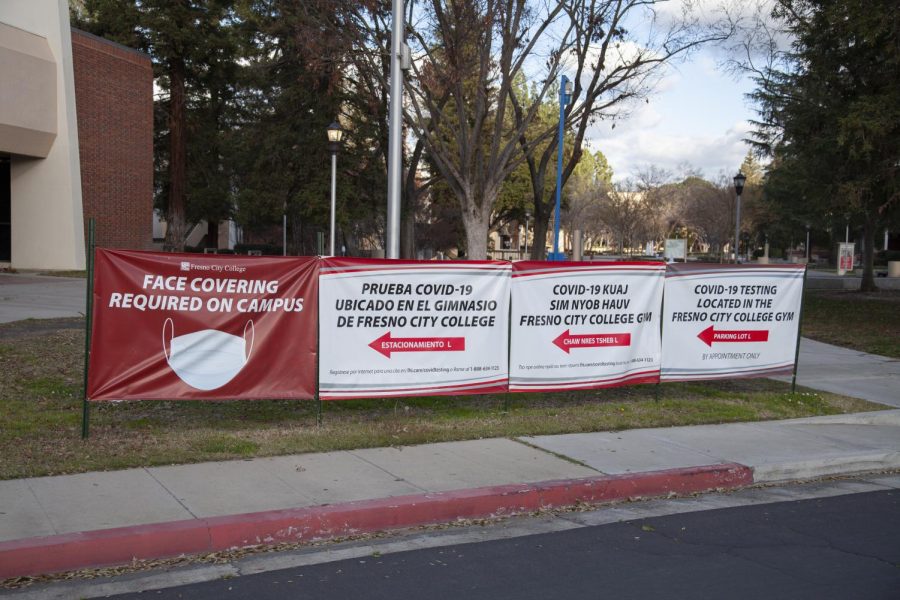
631,148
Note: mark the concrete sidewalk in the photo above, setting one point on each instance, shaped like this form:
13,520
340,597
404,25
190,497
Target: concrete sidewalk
67,522
849,372
40,297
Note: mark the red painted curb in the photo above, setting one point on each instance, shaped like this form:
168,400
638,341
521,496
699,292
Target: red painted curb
120,545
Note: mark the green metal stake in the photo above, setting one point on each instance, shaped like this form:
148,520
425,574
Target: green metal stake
505,403
318,358
89,305
799,326
662,318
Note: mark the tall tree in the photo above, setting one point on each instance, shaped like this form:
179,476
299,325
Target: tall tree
588,188
830,115
191,46
469,56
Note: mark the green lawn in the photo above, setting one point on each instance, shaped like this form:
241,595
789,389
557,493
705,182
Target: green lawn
868,322
40,413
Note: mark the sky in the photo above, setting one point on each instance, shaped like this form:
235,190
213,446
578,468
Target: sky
698,115
696,118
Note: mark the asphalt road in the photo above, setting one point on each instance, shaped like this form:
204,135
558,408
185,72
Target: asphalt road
839,547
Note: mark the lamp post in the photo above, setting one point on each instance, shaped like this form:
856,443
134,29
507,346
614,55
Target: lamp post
565,96
739,180
527,216
335,133
807,243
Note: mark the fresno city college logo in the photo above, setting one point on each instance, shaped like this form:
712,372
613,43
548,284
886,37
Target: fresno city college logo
185,265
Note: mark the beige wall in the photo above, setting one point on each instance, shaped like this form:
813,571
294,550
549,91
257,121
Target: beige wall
28,93
47,222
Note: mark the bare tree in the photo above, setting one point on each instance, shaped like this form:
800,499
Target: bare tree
664,209
477,128
584,211
613,65
625,215
709,209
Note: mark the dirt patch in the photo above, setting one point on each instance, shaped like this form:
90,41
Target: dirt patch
32,327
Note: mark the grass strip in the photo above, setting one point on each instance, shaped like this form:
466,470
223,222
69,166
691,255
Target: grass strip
869,322
40,387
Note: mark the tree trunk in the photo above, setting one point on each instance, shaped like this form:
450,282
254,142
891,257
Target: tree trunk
295,234
408,220
408,235
176,228
212,234
539,241
868,277
476,226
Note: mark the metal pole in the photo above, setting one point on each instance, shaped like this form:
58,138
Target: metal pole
737,229
847,234
284,232
559,163
395,134
88,313
807,245
333,195
662,319
318,397
526,237
799,325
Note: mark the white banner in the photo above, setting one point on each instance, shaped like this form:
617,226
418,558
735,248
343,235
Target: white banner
675,249
584,325
727,321
412,328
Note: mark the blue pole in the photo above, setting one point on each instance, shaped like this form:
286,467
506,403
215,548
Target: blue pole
563,80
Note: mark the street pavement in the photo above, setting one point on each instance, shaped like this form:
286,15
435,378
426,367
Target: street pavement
40,297
839,547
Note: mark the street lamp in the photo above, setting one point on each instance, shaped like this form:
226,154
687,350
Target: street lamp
335,133
739,180
807,243
566,88
527,216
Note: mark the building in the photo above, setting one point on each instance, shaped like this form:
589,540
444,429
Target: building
76,139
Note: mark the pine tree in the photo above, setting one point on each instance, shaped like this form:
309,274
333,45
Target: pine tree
193,51
830,120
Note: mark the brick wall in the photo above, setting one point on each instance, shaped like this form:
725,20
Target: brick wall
114,104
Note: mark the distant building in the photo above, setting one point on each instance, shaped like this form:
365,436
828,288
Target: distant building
76,139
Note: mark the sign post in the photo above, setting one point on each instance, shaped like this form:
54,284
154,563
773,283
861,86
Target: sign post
675,249
845,257
88,311
799,326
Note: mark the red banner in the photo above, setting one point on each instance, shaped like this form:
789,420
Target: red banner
203,327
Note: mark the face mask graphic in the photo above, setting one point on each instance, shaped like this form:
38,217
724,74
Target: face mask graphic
207,359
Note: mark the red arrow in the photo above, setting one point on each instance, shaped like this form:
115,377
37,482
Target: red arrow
386,344
710,335
591,340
